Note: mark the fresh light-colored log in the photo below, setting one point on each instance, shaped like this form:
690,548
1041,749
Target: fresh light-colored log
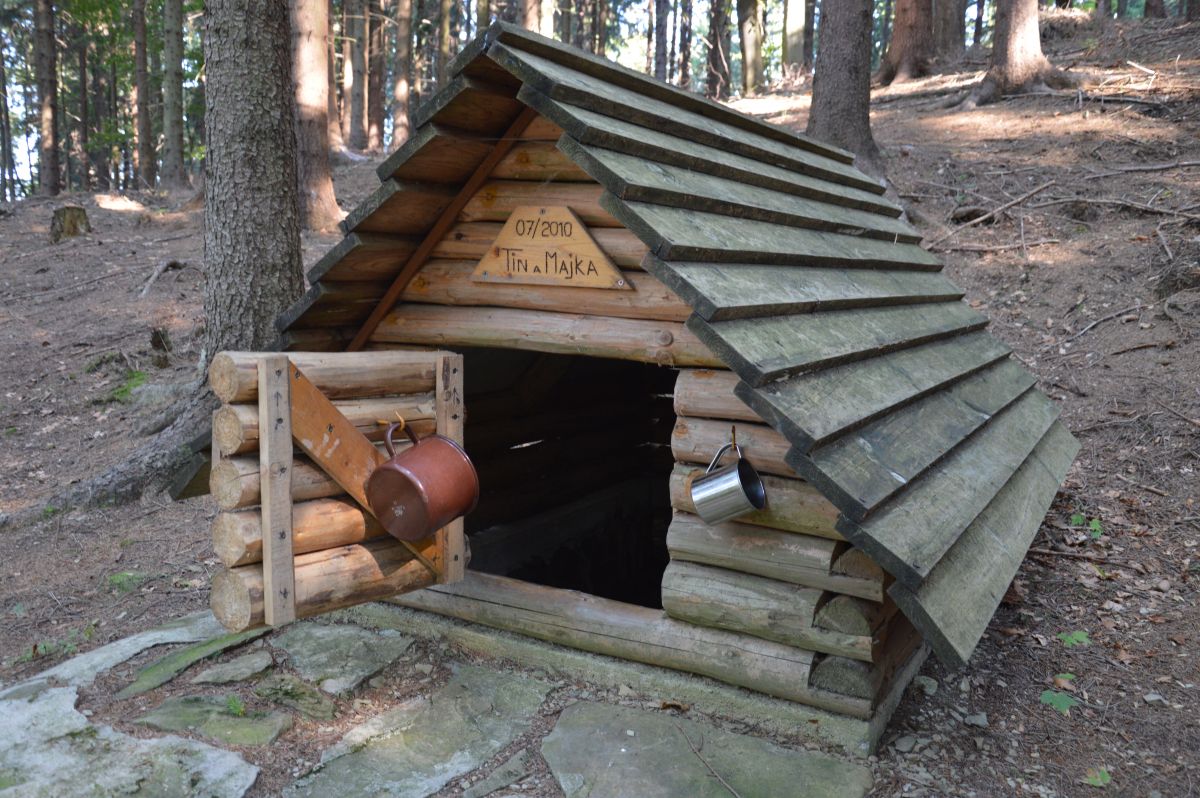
234,481
470,240
325,581
792,504
662,342
497,199
753,605
787,556
316,525
233,376
696,440
235,427
541,161
708,393
602,626
274,467
449,282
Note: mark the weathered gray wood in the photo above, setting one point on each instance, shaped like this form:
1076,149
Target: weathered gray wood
363,257
725,291
752,605
708,393
955,603
911,533
438,154
331,305
696,440
678,234
625,77
767,349
469,104
635,179
602,626
397,208
617,134
865,467
568,85
792,505
853,616
868,681
787,556
813,408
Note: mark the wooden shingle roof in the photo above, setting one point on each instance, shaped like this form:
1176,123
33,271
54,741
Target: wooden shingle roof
846,337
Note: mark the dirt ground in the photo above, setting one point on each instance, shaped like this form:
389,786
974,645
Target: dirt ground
1088,675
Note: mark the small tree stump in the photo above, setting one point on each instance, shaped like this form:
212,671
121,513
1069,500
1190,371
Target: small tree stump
68,221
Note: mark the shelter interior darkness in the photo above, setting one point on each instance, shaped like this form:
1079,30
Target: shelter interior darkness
574,460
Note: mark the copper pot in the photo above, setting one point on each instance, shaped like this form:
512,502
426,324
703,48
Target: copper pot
420,490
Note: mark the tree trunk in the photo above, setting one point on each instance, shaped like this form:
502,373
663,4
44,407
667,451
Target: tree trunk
662,12
1104,10
81,143
377,62
347,72
719,38
793,31
483,15
1155,9
1193,10
685,44
911,44
8,186
45,66
1017,64
147,160
401,128
810,24
173,174
980,11
842,82
885,33
750,28
356,96
318,207
252,231
444,51
332,116
97,151
531,15
949,29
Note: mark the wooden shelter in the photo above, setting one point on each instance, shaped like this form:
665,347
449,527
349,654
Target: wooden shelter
621,271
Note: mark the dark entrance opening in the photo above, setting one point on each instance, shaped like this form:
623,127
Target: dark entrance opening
574,459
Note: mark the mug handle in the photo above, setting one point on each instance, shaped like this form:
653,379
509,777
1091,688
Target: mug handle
387,436
721,451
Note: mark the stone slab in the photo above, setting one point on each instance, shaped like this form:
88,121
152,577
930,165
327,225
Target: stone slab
210,716
49,749
605,751
338,657
286,690
419,747
166,668
238,669
509,772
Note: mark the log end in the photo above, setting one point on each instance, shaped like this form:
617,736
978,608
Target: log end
235,540
228,430
233,598
223,377
227,486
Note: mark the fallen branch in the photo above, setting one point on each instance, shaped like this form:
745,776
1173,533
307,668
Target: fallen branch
1149,488
997,247
163,265
1118,203
1150,167
992,213
700,756
1129,309
1175,412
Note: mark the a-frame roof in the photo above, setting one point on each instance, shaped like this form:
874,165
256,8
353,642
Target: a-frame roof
908,416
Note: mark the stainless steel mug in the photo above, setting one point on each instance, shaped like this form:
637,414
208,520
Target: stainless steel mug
722,494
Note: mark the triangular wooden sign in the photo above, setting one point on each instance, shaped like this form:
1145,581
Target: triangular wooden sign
548,245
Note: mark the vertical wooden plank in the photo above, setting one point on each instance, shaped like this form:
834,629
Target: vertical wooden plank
275,473
448,409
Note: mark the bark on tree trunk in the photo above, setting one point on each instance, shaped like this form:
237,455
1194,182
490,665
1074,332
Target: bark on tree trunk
810,24
97,152
842,83
980,10
147,160
911,43
1155,9
81,145
1103,10
310,20
401,129
45,65
949,29
685,44
750,28
173,174
1017,63
793,31
252,232
719,38
357,94
662,11
445,12
1193,10
8,184
333,126
377,72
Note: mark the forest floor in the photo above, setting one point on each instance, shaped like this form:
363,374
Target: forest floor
1089,672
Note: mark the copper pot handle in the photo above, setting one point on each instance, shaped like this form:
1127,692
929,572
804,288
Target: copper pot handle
387,437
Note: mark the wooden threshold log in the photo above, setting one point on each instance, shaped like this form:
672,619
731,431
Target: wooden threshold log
235,427
449,282
757,606
325,581
792,504
868,681
696,440
233,376
470,240
787,556
663,342
316,525
602,626
708,393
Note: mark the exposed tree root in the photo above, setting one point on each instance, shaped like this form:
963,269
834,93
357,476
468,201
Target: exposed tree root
993,88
